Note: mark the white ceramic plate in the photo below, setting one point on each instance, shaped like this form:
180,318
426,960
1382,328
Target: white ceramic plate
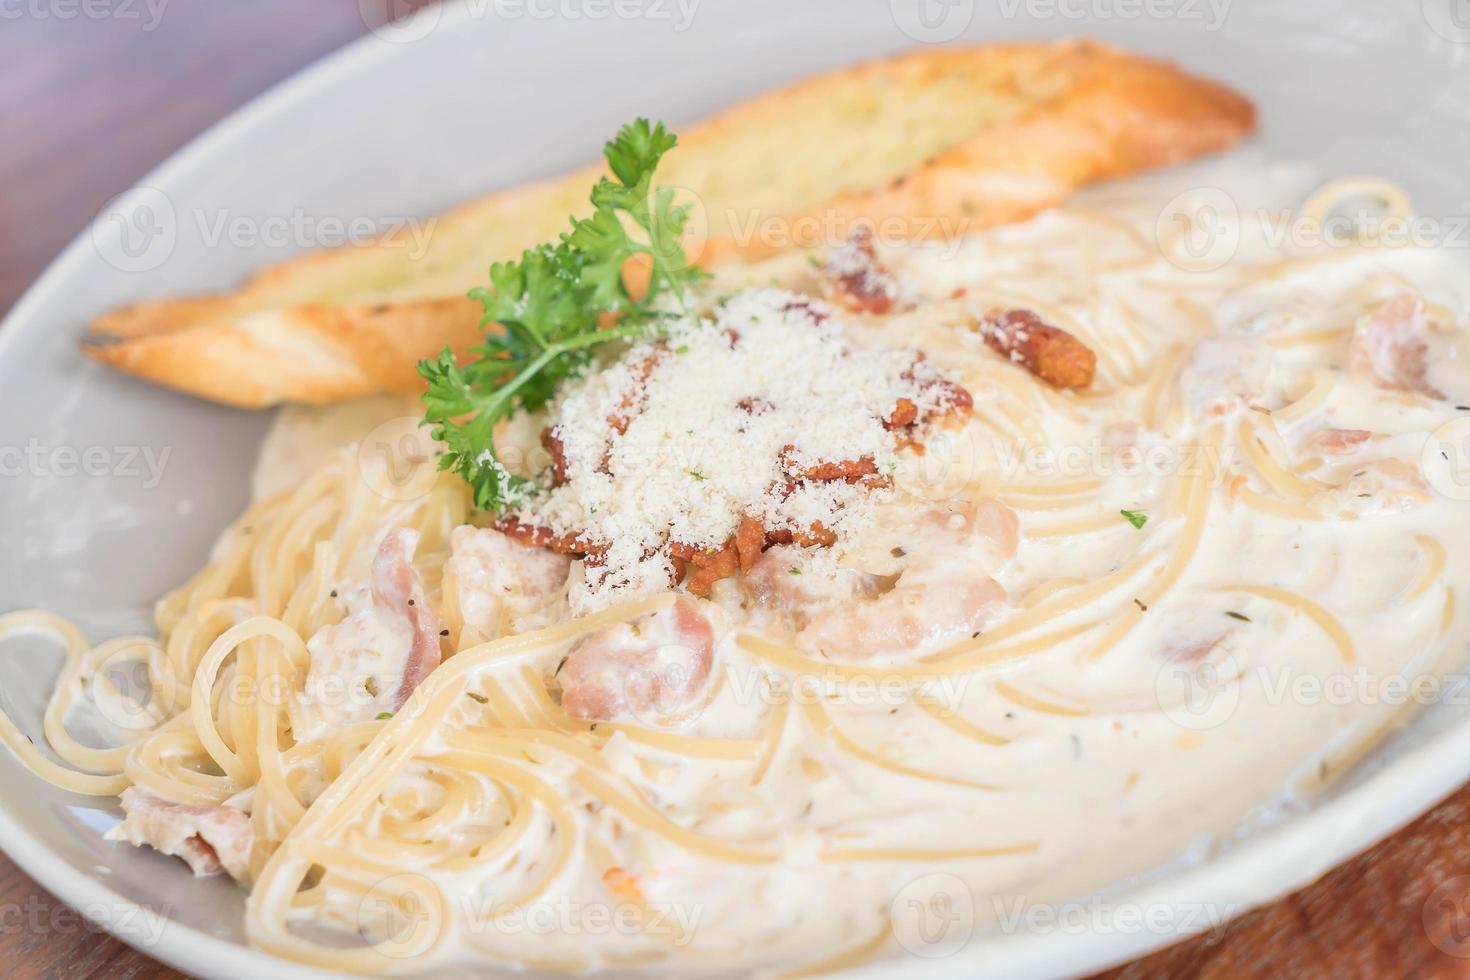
478,95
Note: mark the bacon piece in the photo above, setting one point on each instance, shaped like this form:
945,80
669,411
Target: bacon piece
1192,652
749,541
538,536
1050,353
397,589
553,445
754,406
816,536
711,565
806,307
904,414
904,617
652,666
1337,442
383,649
634,400
771,584
853,278
863,470
209,839
950,399
500,585
1390,347
944,400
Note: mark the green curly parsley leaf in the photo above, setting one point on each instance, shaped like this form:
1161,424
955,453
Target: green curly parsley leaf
553,307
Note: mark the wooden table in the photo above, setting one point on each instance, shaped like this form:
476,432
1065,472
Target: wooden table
89,105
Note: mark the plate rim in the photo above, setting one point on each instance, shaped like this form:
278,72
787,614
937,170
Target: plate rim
181,946
1309,844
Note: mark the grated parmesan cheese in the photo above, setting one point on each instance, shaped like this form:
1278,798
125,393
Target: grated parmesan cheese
680,438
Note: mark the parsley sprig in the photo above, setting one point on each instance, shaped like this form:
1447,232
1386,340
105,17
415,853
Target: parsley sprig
557,304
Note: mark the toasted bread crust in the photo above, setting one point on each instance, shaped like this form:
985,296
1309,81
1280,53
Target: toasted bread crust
1118,114
340,323
311,354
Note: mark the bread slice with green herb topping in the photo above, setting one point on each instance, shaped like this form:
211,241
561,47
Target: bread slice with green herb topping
930,144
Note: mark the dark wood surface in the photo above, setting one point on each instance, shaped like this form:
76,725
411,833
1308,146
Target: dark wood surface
88,105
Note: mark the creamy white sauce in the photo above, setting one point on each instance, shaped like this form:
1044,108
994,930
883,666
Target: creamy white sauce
1111,765
303,437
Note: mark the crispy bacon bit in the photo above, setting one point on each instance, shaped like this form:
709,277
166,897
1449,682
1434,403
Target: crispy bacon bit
816,536
754,406
710,566
952,399
904,414
750,541
1050,353
853,278
862,471
948,400
634,400
537,536
1390,347
737,556
805,306
553,445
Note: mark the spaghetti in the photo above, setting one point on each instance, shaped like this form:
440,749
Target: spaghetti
1029,715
